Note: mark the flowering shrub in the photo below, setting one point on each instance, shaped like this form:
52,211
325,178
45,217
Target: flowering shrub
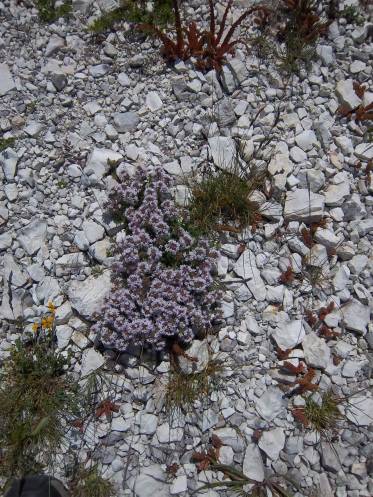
163,279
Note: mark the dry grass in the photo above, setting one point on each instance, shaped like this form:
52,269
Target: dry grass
220,201
322,417
183,390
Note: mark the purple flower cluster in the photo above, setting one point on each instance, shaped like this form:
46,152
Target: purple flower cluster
163,279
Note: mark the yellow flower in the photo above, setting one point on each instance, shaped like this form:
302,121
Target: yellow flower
51,307
35,327
47,322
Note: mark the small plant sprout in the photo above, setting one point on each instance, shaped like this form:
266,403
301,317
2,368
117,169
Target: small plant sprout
322,416
235,480
6,142
50,12
209,47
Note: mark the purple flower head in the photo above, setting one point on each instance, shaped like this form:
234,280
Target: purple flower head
164,284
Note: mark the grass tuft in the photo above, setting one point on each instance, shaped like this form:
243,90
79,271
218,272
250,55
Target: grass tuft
323,417
6,142
134,11
88,482
37,400
221,201
48,12
184,389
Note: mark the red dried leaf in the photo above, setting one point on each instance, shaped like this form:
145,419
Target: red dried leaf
294,369
359,89
327,333
324,311
299,416
172,469
216,441
79,424
283,354
106,407
307,237
310,318
287,277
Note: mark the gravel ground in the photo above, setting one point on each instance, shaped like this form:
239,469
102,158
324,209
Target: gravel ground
73,102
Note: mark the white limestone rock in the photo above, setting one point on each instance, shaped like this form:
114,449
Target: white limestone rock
272,442
289,334
100,160
153,101
151,482
346,94
253,466
245,267
303,205
126,121
33,236
87,296
270,404
364,151
198,350
356,316
223,151
306,140
316,351
91,361
8,161
6,80
359,410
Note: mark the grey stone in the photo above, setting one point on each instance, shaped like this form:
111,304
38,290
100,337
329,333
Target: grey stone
335,194
93,231
126,121
148,423
33,237
359,410
87,296
303,205
289,334
325,52
253,466
153,101
364,151
356,316
270,404
100,160
6,80
63,335
272,442
34,128
346,94
99,70
5,240
199,351
316,351
223,151
91,361
8,161
306,140
150,482
245,267
59,80
224,113
55,42
48,290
